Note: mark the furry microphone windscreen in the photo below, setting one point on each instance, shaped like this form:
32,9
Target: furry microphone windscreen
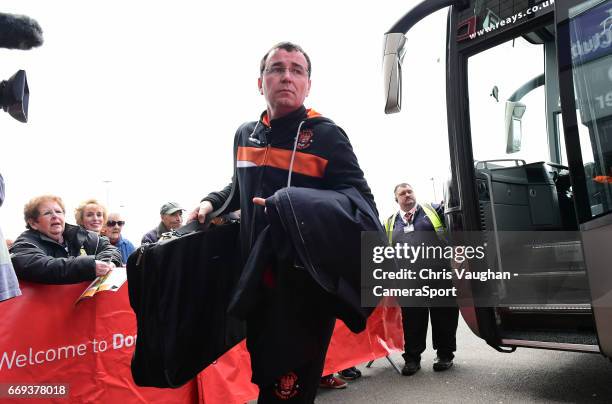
19,32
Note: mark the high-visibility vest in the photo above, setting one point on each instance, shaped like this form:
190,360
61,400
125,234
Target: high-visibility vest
431,213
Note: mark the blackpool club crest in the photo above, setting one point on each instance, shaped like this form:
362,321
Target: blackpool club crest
304,139
287,386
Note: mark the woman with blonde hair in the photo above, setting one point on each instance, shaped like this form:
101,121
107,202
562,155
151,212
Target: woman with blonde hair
91,215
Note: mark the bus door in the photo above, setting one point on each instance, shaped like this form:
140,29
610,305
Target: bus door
531,167
585,66
523,193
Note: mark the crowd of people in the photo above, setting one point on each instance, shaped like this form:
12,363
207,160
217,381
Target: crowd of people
288,145
53,251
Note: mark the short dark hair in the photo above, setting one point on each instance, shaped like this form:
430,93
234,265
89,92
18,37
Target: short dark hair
402,185
289,47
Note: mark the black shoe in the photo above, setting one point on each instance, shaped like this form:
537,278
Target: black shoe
411,368
442,364
351,373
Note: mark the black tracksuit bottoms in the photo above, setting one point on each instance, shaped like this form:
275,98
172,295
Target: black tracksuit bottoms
289,336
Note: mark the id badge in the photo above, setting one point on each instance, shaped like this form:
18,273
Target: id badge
409,228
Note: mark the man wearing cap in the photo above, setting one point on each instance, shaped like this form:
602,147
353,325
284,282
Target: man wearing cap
171,218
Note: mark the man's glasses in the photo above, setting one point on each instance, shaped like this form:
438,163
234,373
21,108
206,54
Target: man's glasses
297,71
112,223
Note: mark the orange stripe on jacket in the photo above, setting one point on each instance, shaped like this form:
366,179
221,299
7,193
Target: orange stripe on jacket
254,155
306,164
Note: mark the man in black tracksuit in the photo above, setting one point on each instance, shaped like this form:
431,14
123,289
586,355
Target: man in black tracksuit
288,145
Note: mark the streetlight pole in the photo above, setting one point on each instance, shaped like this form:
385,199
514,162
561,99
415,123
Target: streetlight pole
433,184
107,182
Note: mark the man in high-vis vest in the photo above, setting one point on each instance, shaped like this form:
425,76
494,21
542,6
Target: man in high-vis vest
414,224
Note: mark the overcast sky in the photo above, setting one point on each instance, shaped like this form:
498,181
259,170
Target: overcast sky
136,102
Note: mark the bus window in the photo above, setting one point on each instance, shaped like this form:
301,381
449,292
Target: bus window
524,195
591,50
585,143
504,67
561,132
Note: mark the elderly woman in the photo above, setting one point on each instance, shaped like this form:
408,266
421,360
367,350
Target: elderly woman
91,215
51,251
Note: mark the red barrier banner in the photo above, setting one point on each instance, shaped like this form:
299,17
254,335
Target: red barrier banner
383,334
53,350
46,339
228,380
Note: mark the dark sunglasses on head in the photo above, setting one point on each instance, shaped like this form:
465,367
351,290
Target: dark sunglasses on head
112,223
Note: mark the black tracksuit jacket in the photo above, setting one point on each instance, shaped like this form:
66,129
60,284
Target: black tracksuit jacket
297,324
324,159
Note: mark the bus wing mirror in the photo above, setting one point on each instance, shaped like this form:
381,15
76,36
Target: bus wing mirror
392,71
514,116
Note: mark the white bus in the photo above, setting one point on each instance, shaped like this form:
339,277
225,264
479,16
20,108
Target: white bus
529,104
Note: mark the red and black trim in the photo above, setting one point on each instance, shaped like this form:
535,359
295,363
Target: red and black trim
310,113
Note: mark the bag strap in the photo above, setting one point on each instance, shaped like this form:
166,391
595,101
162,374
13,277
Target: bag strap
195,225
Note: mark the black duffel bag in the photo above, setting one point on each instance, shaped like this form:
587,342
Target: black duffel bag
180,289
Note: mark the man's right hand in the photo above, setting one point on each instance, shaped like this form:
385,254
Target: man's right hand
102,268
200,212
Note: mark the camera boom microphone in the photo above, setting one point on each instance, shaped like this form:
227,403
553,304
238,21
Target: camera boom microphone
19,32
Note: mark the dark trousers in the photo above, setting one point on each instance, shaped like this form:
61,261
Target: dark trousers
298,386
444,322
288,339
